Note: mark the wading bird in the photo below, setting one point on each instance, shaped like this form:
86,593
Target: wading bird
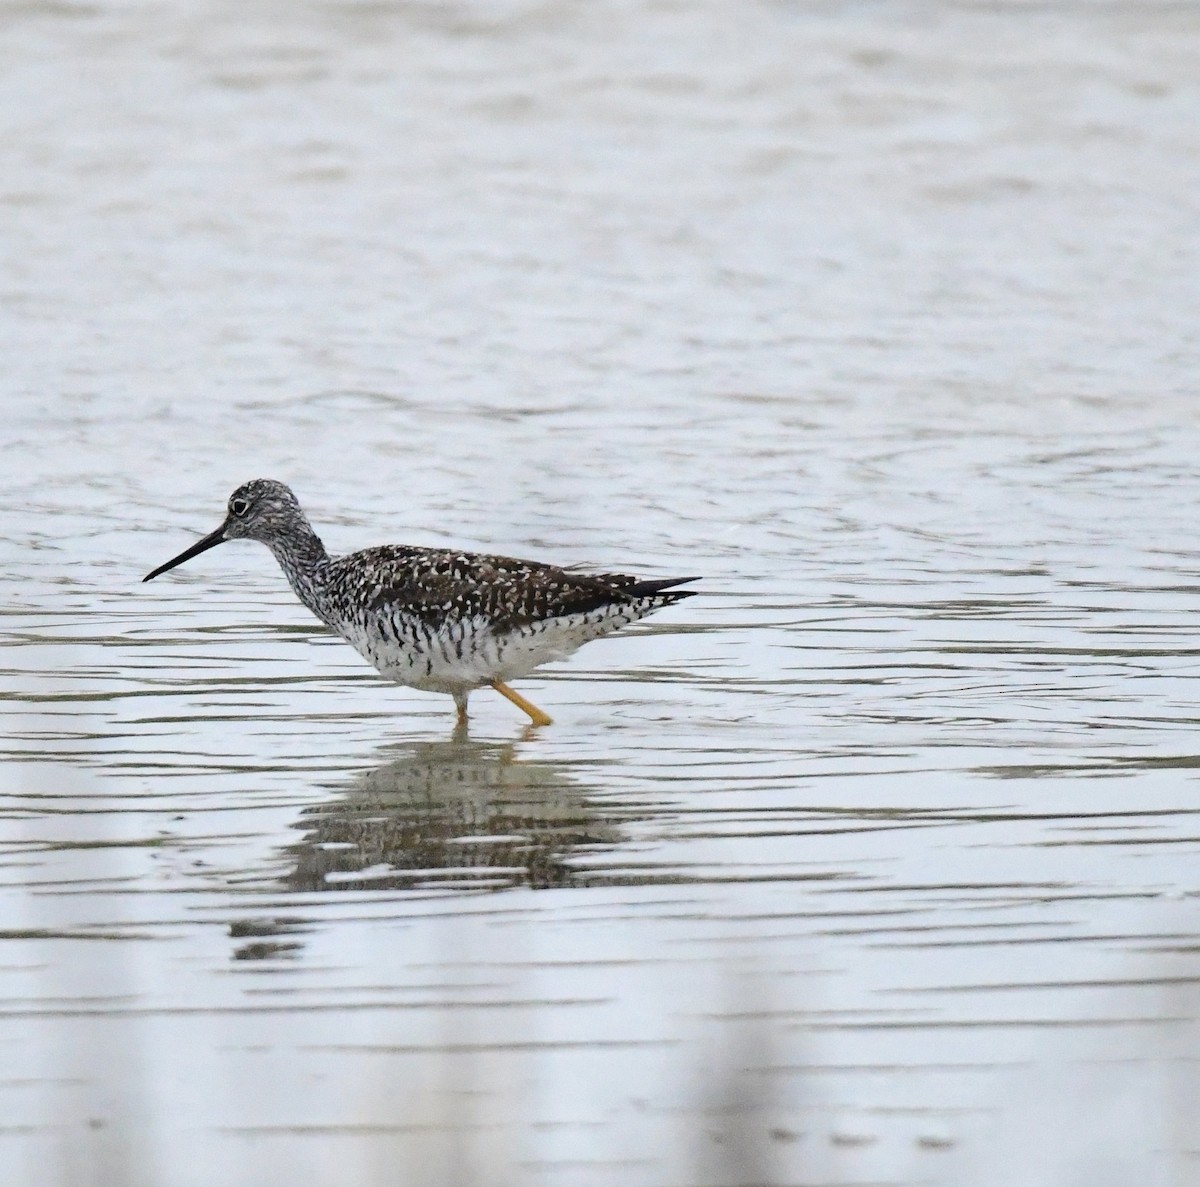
433,618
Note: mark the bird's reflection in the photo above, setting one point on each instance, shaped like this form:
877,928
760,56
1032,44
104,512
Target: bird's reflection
455,814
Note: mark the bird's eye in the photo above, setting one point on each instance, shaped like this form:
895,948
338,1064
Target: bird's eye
239,506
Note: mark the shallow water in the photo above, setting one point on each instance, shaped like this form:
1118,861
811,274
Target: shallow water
875,863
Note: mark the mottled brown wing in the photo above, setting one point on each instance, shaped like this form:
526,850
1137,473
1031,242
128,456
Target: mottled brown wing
440,586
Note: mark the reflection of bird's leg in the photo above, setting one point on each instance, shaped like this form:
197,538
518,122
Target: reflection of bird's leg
535,714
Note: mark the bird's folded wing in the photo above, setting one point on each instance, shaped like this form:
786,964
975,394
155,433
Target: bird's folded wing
439,586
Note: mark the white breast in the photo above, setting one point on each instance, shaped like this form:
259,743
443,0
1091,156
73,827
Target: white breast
468,653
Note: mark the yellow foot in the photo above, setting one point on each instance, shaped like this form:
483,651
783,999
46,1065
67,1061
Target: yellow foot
535,714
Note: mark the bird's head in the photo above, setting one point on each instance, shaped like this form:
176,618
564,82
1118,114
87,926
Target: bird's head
261,509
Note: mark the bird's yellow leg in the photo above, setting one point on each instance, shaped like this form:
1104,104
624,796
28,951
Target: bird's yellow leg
535,714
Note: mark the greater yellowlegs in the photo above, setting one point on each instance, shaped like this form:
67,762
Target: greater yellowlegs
435,619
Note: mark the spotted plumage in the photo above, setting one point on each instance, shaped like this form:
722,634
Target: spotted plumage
436,619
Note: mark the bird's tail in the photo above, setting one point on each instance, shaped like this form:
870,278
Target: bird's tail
657,588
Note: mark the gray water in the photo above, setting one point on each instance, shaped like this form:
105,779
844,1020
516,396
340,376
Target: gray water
876,863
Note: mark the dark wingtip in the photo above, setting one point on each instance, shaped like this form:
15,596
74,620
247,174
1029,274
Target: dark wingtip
647,589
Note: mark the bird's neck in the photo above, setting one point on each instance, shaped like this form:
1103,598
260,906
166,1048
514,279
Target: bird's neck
305,564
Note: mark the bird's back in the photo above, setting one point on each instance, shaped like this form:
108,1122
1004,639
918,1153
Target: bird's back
443,620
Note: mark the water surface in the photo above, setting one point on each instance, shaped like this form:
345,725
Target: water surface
874,864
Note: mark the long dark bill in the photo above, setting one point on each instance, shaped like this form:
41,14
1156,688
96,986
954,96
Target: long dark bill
209,541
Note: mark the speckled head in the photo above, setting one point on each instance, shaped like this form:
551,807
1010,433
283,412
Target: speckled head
261,509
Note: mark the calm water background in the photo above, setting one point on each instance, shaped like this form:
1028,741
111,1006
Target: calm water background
876,864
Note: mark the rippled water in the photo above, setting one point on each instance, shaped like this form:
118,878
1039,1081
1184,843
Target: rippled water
874,864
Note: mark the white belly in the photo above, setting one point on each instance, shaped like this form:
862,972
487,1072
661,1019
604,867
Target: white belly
468,653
